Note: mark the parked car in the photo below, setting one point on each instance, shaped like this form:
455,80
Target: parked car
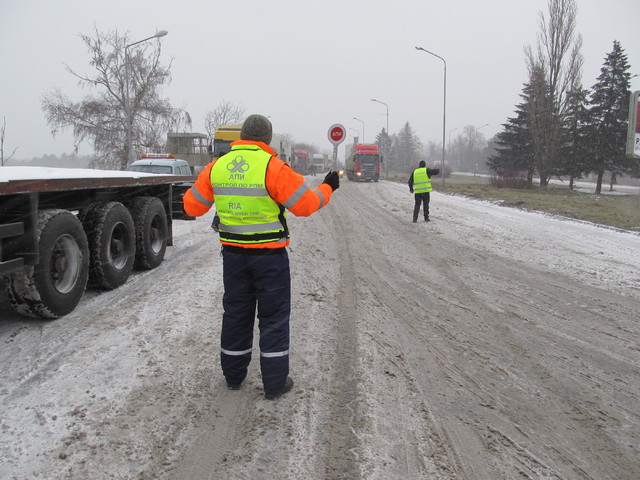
167,164
164,164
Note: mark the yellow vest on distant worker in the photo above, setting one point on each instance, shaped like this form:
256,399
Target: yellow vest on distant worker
421,181
248,215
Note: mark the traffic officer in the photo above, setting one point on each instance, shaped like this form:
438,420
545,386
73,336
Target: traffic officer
420,186
252,187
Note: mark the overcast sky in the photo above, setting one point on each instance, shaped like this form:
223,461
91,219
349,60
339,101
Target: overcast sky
305,63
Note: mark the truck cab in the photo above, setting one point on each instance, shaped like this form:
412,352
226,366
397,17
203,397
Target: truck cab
302,162
363,162
320,162
222,139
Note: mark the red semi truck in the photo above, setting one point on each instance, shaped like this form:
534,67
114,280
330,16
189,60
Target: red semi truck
362,162
302,162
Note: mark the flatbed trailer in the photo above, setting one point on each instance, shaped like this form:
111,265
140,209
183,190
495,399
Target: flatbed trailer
62,230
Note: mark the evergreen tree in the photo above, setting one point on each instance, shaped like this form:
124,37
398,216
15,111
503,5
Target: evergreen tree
407,148
609,109
514,156
573,158
545,124
384,142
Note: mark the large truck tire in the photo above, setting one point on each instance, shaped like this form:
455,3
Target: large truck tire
54,287
152,231
112,244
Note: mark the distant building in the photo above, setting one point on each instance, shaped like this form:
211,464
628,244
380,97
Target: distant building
192,147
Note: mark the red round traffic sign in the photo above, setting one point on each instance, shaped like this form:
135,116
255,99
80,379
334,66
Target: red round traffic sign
337,134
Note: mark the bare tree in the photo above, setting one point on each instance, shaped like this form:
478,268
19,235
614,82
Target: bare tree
554,71
2,135
468,148
226,113
102,118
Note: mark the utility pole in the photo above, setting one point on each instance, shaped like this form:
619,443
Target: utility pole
128,108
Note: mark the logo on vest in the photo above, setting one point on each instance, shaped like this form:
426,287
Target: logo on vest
238,165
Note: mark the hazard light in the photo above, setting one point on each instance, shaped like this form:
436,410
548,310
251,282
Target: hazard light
158,155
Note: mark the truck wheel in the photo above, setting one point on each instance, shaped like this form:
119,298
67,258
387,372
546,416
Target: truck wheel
112,244
151,227
55,286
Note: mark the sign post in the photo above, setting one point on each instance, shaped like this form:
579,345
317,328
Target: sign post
633,130
337,134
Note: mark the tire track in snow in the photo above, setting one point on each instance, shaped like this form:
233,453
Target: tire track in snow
343,444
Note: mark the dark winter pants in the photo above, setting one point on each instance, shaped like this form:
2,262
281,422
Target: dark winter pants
421,198
251,281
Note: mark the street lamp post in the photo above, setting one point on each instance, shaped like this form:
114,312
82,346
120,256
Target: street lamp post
357,131
444,109
386,163
374,100
160,33
362,127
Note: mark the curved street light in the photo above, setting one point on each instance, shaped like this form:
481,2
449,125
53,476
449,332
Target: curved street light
158,34
478,128
444,108
374,100
355,130
385,153
450,132
355,118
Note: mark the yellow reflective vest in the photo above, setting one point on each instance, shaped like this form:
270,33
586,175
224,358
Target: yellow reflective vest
248,215
421,181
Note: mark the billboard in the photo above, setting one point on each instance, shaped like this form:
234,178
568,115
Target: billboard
633,130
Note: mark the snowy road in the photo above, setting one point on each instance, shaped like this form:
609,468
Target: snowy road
489,343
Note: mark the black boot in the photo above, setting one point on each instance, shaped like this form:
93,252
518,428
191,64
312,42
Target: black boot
288,385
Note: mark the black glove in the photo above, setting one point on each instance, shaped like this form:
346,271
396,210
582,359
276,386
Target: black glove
332,179
216,223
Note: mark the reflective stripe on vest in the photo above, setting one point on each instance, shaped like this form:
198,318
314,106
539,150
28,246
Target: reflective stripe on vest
247,213
421,181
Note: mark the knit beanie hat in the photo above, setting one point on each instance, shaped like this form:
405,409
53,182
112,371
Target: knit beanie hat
256,128
422,164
